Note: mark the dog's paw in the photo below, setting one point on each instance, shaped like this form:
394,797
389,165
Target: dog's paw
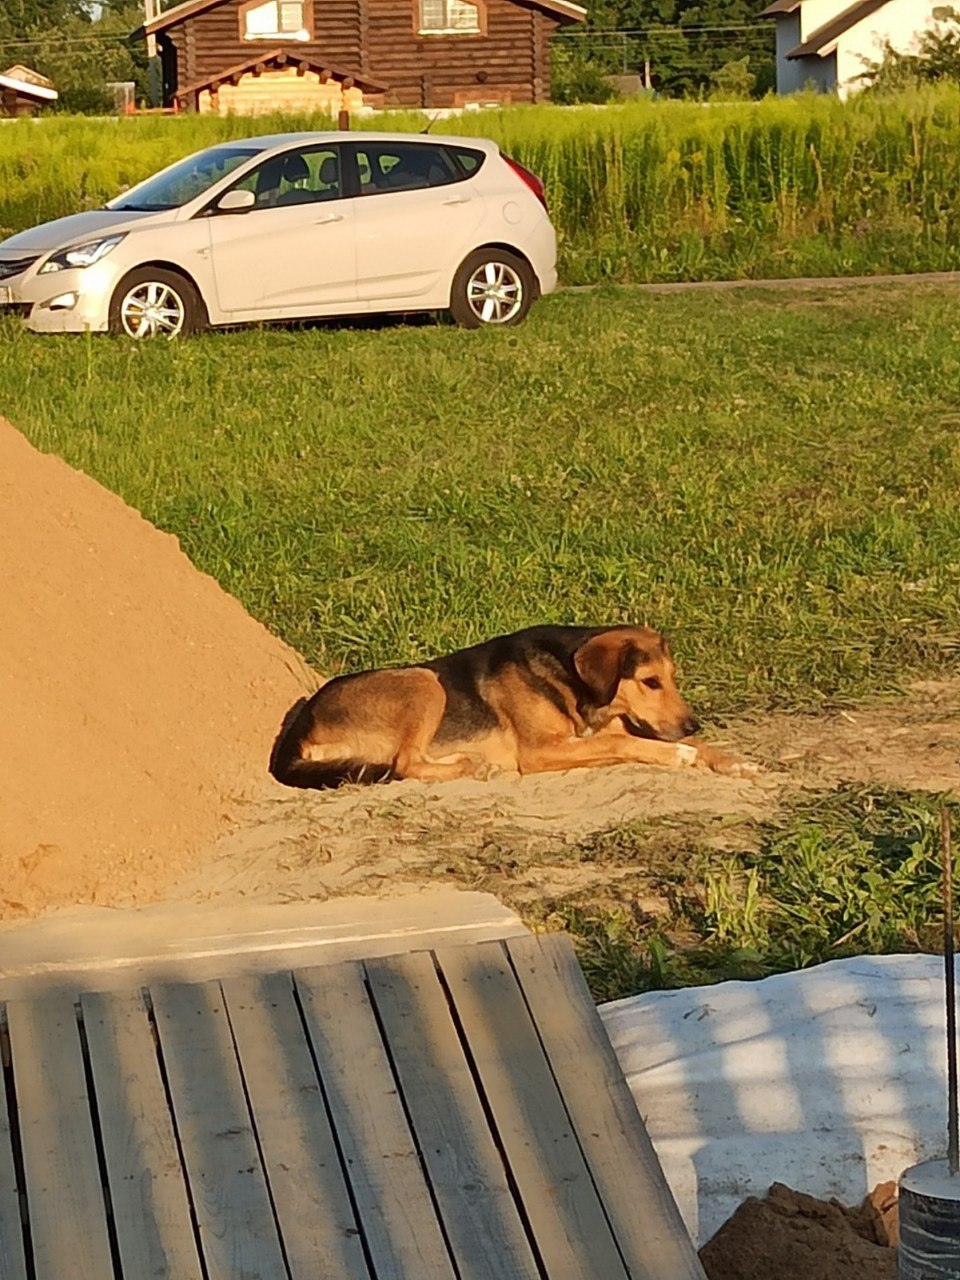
743,769
484,771
719,762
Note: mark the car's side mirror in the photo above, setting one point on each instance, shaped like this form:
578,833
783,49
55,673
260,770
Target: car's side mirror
236,201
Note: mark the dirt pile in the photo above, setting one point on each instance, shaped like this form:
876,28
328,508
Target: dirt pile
138,701
792,1236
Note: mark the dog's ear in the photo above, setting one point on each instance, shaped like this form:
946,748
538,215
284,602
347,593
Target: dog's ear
604,661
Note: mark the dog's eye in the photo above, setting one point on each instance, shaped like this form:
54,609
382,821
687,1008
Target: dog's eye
653,682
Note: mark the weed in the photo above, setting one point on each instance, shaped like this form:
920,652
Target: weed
850,871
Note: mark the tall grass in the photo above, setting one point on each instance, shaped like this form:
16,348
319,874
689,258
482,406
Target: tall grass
641,191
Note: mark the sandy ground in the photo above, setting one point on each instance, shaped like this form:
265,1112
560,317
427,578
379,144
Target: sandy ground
140,703
514,835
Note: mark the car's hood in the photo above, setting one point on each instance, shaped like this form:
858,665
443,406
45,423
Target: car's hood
63,232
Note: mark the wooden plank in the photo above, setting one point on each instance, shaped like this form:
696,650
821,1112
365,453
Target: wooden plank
397,1215
238,1232
466,1172
100,949
150,1208
561,1202
624,1165
13,1264
317,1222
68,1222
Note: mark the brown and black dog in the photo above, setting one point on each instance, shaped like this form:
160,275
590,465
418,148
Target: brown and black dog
548,698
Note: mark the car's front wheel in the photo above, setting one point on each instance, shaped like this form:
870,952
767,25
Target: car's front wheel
491,287
155,303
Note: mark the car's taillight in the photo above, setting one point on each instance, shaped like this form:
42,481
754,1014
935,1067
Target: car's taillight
528,179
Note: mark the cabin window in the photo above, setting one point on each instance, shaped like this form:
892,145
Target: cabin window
448,18
274,19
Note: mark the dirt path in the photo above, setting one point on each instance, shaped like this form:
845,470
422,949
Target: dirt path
524,838
797,284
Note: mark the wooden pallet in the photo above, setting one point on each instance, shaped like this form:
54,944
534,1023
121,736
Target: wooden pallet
456,1114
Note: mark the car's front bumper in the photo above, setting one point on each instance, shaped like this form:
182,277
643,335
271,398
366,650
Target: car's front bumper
71,301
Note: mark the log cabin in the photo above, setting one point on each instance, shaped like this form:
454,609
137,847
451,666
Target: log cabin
247,56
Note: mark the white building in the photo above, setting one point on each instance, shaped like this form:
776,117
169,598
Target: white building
830,43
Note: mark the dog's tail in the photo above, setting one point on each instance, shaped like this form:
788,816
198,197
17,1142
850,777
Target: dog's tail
288,765
293,771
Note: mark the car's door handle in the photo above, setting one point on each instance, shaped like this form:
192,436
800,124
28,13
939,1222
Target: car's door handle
458,200
330,217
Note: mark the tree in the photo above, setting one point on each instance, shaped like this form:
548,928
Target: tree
19,19
685,42
733,82
81,55
577,75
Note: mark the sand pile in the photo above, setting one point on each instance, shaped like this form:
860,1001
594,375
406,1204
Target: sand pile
138,701
792,1236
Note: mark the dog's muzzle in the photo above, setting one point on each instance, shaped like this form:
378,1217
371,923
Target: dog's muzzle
643,729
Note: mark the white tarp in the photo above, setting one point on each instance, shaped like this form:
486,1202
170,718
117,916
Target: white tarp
831,1080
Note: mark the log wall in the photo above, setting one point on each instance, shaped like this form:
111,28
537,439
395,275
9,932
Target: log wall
378,40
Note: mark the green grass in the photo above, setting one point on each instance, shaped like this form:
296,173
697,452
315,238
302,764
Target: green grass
772,480
643,191
845,873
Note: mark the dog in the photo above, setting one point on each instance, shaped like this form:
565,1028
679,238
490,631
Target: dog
547,698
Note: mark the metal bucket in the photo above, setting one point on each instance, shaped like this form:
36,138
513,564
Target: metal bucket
930,1222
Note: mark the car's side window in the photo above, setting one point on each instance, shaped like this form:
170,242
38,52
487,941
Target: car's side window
305,176
402,166
469,159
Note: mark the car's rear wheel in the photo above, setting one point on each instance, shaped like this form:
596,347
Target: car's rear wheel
154,303
492,287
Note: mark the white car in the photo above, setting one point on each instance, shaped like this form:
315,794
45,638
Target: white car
290,227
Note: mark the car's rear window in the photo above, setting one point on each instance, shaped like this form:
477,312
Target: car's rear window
403,166
468,159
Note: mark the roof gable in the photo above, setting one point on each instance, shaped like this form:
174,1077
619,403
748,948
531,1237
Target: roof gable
281,58
27,75
822,41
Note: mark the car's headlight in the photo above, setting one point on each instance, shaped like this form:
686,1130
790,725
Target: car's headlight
81,255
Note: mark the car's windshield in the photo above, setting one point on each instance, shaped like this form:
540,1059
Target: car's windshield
185,181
